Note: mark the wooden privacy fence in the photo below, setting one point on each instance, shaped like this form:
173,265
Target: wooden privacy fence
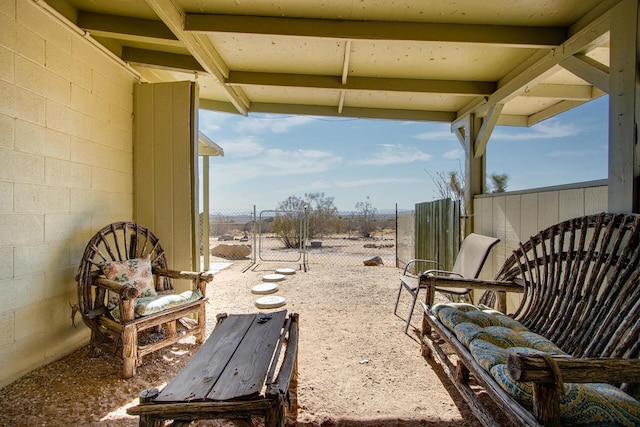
438,232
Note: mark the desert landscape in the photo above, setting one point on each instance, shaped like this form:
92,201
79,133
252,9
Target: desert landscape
356,366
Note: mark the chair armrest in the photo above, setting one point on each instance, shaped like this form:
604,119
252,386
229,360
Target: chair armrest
413,261
199,280
125,291
456,282
535,368
190,275
441,273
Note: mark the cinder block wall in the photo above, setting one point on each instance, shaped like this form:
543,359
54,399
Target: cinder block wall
65,170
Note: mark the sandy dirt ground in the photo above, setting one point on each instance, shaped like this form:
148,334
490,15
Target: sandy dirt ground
356,366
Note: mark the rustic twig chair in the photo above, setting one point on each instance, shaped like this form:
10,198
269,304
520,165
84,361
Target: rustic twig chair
473,253
117,259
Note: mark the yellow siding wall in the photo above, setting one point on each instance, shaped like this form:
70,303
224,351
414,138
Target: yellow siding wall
515,217
65,170
165,184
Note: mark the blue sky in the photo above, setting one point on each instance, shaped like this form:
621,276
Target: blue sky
271,157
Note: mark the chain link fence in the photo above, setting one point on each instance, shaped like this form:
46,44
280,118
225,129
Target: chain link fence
350,238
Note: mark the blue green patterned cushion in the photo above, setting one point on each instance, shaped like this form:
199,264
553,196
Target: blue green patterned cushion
491,336
540,343
507,322
145,306
467,332
580,404
450,317
488,354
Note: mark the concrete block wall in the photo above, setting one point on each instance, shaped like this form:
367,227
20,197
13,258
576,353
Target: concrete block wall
66,170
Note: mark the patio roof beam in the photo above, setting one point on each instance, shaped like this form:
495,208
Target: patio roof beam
559,91
467,88
542,64
200,48
127,28
589,70
357,112
503,35
161,60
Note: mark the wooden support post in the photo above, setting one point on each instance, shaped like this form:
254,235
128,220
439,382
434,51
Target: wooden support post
546,404
149,395
171,329
202,324
275,415
129,350
462,373
624,109
501,302
426,327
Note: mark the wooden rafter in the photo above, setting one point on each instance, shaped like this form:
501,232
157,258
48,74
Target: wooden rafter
503,35
468,88
201,48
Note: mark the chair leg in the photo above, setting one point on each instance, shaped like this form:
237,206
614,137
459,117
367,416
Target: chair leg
395,309
413,306
129,351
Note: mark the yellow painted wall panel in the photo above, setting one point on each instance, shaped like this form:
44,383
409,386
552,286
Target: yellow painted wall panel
164,188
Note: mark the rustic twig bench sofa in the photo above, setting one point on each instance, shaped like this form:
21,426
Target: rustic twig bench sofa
569,353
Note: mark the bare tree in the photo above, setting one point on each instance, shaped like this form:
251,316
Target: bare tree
366,216
322,215
450,185
499,182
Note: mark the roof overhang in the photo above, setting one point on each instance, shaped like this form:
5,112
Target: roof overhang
520,62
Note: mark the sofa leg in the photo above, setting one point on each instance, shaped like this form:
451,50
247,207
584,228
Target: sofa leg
202,324
129,351
546,404
462,373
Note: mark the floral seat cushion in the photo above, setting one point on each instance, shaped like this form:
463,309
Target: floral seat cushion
491,336
145,306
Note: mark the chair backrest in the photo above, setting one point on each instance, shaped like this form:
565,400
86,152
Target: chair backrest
473,253
117,242
582,284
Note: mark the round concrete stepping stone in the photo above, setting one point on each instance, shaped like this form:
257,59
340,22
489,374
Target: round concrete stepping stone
273,278
264,288
272,301
285,271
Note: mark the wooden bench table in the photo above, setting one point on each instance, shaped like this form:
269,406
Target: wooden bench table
232,375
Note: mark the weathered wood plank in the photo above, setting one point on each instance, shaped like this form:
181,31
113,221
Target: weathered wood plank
196,380
245,374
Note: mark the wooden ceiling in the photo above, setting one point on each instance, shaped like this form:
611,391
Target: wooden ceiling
510,62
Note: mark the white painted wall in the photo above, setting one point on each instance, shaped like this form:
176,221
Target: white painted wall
65,171
514,217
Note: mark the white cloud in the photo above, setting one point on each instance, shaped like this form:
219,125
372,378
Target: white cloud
548,130
375,181
277,162
242,147
454,154
271,124
439,132
394,154
211,121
